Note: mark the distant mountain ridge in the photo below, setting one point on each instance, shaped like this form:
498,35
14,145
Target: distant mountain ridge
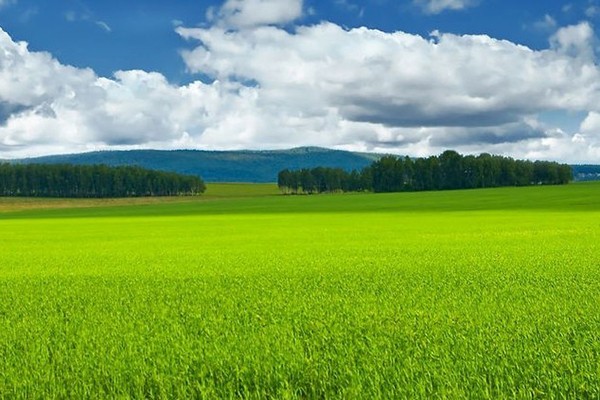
241,165
586,172
220,166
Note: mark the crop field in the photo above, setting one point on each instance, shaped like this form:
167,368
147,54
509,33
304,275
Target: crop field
215,191
478,294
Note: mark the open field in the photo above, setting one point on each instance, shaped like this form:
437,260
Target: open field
214,191
482,294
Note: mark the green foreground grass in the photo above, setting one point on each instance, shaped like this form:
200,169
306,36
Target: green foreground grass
480,294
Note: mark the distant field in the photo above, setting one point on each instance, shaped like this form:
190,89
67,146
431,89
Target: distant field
214,191
221,190
481,294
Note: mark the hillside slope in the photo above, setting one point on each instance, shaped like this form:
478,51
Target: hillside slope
221,166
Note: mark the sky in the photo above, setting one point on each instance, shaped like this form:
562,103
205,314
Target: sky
412,77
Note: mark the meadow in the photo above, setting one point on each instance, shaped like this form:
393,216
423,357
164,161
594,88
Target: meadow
491,293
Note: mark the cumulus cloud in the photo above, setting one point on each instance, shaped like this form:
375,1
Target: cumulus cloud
438,6
397,79
590,130
46,107
251,13
591,123
398,90
575,40
357,89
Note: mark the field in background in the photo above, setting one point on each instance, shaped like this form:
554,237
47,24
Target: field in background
213,191
222,190
482,293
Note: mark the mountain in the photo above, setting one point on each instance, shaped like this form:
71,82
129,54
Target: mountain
220,166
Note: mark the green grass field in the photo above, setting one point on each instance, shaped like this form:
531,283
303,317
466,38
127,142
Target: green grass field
242,293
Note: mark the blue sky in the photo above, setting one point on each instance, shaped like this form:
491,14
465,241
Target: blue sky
410,77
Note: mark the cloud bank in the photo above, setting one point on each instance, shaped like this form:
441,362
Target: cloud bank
275,87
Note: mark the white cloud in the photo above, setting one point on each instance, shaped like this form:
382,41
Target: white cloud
47,107
32,78
104,26
590,129
575,40
86,16
251,13
397,79
546,24
351,7
359,89
438,6
591,124
592,11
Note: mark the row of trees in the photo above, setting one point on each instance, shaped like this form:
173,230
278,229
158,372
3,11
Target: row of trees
322,179
450,170
66,180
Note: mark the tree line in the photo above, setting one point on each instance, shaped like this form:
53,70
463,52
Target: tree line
67,180
449,170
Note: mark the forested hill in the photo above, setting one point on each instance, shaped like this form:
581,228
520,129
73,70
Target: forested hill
220,166
242,166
